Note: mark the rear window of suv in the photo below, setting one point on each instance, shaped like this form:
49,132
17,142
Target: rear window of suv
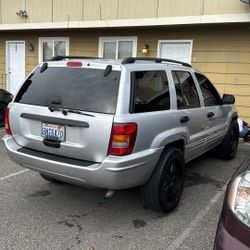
150,91
76,88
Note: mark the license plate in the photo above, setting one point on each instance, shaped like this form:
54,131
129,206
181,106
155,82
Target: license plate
53,131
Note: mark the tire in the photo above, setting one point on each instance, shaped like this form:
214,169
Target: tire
228,147
2,112
163,190
51,180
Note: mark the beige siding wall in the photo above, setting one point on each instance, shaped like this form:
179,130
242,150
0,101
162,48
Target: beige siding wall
224,7
137,9
221,52
37,11
91,9
9,10
100,9
2,62
78,10
67,10
108,9
180,8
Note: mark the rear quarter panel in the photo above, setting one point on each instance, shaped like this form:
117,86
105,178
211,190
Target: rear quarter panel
155,129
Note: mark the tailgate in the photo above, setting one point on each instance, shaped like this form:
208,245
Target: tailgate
75,106
85,137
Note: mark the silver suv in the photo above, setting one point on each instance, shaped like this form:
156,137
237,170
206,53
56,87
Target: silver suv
119,124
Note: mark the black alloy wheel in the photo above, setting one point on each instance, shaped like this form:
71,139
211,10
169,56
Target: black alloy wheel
172,183
228,147
164,188
234,140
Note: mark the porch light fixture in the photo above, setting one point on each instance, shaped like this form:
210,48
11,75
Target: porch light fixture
30,47
245,1
22,13
145,49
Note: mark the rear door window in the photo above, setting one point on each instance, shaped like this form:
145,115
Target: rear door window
150,91
186,92
73,88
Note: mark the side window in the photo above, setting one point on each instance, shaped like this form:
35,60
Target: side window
52,46
117,47
209,93
180,50
186,92
150,91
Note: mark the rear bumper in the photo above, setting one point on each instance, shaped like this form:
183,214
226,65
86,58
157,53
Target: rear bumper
113,173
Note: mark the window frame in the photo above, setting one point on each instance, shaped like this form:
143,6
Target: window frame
160,42
52,39
117,39
214,89
199,95
132,91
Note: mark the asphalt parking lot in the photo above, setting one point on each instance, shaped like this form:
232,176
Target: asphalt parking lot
38,215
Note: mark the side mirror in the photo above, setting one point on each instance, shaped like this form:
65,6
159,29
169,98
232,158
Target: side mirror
228,99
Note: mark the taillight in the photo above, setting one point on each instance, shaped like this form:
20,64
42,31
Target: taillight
6,122
122,138
73,64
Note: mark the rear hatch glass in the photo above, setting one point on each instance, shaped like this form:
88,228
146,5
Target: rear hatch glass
76,88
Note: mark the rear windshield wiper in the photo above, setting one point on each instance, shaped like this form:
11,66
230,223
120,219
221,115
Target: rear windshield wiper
66,111
77,112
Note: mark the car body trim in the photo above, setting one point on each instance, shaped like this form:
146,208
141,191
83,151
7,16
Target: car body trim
55,120
54,157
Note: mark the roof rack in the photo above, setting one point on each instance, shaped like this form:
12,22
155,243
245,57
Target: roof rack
60,58
129,60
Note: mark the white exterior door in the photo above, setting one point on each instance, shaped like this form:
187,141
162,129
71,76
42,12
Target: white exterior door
15,65
175,50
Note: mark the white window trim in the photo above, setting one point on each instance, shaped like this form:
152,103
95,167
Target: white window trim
44,39
176,41
117,39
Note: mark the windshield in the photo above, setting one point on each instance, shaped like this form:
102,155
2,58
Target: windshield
73,88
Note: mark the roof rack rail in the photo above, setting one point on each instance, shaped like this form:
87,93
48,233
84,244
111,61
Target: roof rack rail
129,60
59,58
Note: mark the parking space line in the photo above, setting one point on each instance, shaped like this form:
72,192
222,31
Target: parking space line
185,234
14,174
